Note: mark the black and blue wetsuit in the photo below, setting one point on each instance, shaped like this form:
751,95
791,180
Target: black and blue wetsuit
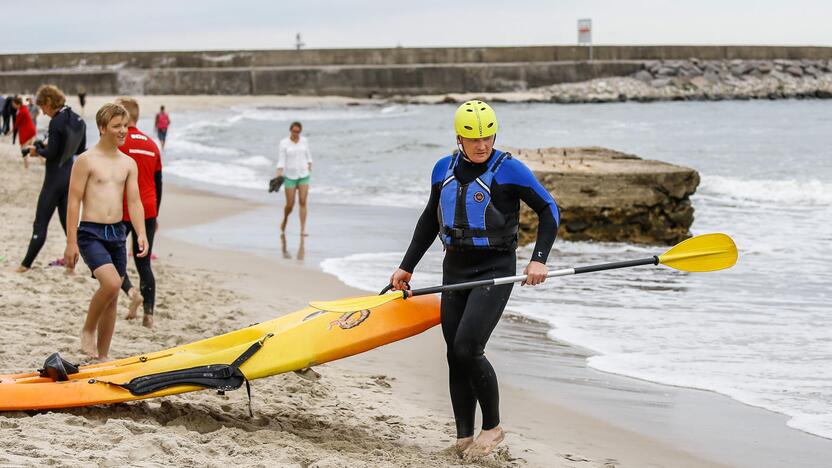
66,138
468,317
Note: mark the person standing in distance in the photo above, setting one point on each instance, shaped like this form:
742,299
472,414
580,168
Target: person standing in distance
161,124
24,126
82,97
294,163
148,159
474,208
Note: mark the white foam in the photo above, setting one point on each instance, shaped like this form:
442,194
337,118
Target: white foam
270,114
210,172
812,191
256,161
403,196
191,148
197,126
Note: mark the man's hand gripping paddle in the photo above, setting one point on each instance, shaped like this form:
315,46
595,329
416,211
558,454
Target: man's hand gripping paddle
708,252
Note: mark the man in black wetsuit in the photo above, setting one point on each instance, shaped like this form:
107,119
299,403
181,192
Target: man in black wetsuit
474,208
66,138
8,115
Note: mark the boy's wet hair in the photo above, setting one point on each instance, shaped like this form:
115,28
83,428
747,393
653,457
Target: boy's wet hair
51,95
296,124
132,107
108,112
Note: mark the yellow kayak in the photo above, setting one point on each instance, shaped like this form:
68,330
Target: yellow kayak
294,341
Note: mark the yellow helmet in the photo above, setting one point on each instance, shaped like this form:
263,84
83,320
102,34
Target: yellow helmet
475,119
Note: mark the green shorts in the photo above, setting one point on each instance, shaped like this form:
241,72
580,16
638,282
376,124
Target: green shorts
292,183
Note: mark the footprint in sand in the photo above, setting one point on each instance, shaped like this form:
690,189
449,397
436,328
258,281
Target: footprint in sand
137,429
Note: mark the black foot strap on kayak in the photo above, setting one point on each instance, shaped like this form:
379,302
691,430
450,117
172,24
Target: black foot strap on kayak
221,377
57,368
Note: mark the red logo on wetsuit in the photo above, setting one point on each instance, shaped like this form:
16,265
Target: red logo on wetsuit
479,196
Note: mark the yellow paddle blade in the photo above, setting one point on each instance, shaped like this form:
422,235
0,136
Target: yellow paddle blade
708,252
356,303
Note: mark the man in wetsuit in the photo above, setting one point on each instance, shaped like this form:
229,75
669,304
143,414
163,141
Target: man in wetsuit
8,114
66,138
144,151
474,208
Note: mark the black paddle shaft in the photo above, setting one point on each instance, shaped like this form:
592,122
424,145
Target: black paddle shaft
654,260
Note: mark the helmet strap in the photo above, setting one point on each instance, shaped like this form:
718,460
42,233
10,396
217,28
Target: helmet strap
461,148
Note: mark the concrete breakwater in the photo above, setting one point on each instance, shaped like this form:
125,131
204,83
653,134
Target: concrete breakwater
392,72
606,195
393,56
352,80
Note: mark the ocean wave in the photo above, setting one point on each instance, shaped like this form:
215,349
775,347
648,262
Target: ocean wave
198,126
813,192
280,114
256,160
725,378
191,148
210,172
373,196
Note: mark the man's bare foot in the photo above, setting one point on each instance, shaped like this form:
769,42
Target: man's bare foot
462,444
135,301
485,443
147,320
304,234
88,344
21,269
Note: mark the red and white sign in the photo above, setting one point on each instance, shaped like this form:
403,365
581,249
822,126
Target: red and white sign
585,31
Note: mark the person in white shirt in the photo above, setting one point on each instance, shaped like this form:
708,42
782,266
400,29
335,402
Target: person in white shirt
294,163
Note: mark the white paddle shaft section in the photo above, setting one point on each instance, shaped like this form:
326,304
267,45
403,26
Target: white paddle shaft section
552,274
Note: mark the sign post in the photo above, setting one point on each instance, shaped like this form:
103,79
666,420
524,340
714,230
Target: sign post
585,34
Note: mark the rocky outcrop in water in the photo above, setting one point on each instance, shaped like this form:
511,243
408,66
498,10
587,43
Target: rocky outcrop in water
605,195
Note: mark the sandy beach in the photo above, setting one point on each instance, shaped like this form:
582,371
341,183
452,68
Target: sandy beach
383,408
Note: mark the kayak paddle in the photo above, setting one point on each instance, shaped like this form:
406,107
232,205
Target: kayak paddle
708,252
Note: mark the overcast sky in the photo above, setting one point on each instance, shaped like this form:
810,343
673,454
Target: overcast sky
100,25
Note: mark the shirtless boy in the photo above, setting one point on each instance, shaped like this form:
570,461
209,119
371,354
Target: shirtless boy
101,177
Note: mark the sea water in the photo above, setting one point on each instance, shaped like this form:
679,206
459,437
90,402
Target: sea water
760,332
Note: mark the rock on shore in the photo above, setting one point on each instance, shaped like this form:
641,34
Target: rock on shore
704,80
675,80
605,195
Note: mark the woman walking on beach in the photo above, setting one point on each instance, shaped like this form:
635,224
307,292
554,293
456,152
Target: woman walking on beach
474,207
294,163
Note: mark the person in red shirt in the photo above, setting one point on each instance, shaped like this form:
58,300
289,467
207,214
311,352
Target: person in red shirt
24,126
162,124
144,151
